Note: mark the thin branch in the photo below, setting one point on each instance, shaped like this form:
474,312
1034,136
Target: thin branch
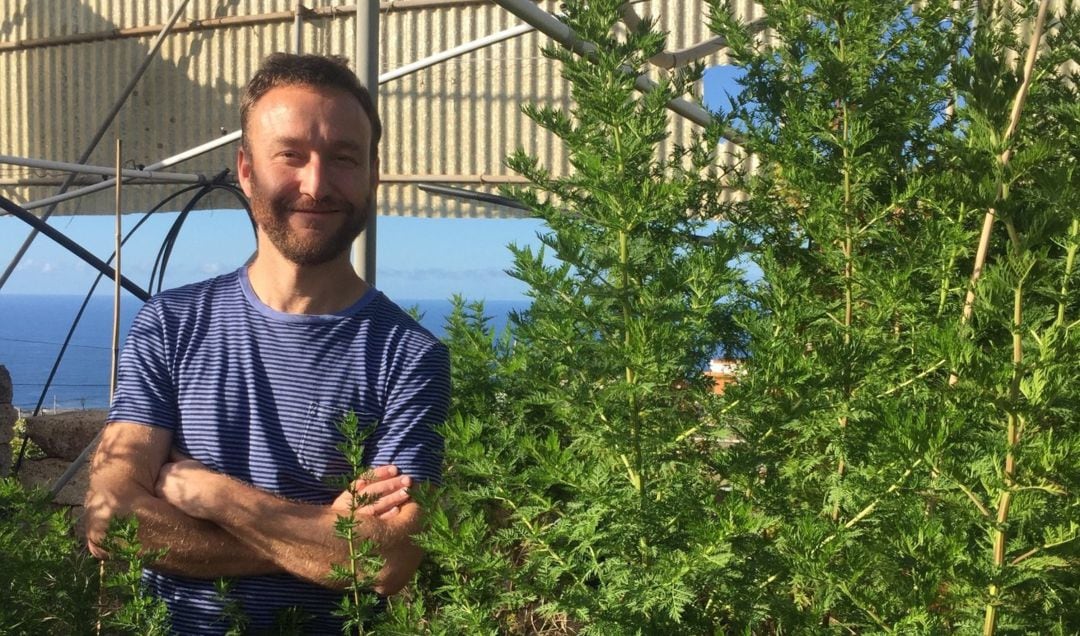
1048,546
937,365
873,504
869,612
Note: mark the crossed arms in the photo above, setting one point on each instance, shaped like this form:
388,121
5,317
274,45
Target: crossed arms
215,526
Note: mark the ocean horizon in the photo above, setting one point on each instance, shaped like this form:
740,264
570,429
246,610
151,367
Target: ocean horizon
33,328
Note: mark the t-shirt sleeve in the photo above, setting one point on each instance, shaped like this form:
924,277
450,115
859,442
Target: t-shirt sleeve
417,404
145,392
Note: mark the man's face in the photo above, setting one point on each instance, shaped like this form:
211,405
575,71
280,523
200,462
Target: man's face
308,171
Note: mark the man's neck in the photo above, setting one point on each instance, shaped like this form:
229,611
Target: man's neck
305,289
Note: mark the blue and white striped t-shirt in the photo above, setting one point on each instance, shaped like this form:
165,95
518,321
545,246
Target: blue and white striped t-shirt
257,394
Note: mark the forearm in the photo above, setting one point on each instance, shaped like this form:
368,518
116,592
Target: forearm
122,479
297,537
192,547
301,538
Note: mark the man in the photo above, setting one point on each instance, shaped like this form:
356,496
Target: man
222,434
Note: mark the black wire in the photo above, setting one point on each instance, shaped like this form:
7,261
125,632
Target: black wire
165,251
203,189
79,315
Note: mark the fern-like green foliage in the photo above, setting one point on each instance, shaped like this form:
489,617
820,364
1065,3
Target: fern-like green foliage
359,603
921,465
580,494
47,580
130,607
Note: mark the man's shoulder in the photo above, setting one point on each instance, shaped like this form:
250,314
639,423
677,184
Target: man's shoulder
195,295
395,321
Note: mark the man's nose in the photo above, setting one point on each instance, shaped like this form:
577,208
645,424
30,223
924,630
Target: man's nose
314,180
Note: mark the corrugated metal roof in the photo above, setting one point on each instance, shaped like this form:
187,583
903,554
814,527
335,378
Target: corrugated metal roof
453,123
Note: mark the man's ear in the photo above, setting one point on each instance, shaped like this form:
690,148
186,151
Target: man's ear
243,170
374,175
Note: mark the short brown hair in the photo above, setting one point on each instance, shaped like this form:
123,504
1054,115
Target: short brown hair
318,71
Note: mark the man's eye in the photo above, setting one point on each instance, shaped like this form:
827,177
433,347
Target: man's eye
348,159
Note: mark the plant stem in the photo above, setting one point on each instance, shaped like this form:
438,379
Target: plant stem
628,338
946,273
1012,439
849,268
873,504
1070,261
1003,161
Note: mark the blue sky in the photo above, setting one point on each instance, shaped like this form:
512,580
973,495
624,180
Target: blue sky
417,258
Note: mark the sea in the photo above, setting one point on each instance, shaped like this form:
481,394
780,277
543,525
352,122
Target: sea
33,329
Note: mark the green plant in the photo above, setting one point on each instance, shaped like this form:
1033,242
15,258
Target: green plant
580,494
909,423
47,580
358,603
129,607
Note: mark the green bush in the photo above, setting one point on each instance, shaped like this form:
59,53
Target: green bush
48,579
907,430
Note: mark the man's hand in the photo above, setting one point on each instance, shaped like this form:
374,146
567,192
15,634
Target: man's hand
378,494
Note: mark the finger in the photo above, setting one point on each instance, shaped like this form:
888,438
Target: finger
380,473
390,513
386,503
374,491
375,474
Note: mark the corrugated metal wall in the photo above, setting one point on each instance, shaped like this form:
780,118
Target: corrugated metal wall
454,123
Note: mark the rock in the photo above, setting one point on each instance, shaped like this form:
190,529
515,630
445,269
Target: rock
65,435
43,473
8,415
6,391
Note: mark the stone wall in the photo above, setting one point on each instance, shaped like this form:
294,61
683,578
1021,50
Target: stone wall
61,436
7,421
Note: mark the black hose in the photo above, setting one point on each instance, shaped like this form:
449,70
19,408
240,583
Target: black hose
72,247
173,232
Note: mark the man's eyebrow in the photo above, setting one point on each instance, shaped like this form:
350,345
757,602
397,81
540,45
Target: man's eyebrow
342,144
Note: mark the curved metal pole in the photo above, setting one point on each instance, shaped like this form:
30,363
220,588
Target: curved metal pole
85,156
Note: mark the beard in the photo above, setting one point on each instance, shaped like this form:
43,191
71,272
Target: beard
271,214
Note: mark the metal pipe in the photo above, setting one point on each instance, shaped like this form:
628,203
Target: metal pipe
298,29
20,182
453,178
82,168
552,27
164,163
150,55
472,195
188,26
681,57
367,68
456,51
